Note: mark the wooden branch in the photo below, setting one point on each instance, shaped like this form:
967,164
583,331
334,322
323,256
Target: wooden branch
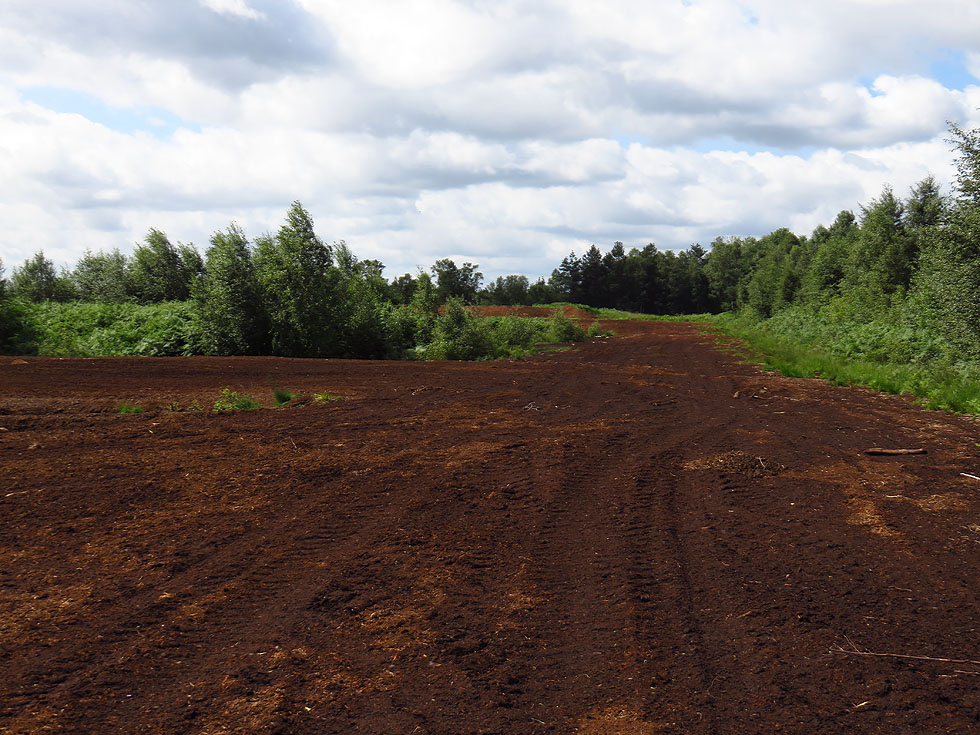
879,450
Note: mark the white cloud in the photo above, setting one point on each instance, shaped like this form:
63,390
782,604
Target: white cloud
233,7
505,133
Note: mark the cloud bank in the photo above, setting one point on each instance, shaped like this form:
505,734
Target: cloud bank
505,133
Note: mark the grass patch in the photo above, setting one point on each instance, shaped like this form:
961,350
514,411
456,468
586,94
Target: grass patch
559,304
595,330
284,396
232,401
937,386
129,408
326,398
620,315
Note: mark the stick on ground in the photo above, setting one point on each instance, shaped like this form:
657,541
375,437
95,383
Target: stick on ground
879,450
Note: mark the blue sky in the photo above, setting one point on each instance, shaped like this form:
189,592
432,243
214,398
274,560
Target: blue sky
156,121
505,133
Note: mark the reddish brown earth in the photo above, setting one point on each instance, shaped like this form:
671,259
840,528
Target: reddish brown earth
572,312
638,536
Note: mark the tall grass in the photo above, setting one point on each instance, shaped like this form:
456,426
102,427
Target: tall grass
938,383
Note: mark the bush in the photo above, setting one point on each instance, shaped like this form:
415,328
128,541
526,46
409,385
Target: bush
458,335
18,333
563,329
281,396
232,401
103,329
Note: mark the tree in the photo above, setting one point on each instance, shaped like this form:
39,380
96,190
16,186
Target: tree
37,280
948,276
884,255
300,288
593,278
191,264
967,145
102,277
566,279
509,290
157,271
724,267
925,207
454,281
16,331
774,279
541,292
228,298
402,288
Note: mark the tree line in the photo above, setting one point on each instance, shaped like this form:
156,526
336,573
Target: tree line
908,262
288,294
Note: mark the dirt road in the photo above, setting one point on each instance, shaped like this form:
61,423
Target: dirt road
641,535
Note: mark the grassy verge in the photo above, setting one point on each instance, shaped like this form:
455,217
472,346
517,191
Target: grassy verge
619,315
937,385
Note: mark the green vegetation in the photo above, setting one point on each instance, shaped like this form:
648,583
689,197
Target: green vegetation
128,408
595,330
458,335
232,401
326,398
98,329
281,396
939,386
288,294
886,297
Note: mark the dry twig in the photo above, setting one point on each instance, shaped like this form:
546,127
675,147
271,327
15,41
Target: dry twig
880,450
855,651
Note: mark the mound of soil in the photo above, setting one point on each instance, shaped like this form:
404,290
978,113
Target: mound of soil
600,540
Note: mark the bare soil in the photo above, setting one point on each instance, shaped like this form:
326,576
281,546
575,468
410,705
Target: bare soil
639,535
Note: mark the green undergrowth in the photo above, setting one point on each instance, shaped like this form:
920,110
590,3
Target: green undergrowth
458,335
232,401
938,384
619,315
281,396
97,330
128,408
559,304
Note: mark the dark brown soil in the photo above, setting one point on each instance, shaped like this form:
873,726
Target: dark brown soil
640,535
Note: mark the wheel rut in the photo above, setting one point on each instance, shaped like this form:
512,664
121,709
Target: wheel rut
639,537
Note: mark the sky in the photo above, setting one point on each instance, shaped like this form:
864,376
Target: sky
506,133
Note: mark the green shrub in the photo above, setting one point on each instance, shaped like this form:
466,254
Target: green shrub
232,401
128,408
18,335
103,329
458,335
563,329
283,396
